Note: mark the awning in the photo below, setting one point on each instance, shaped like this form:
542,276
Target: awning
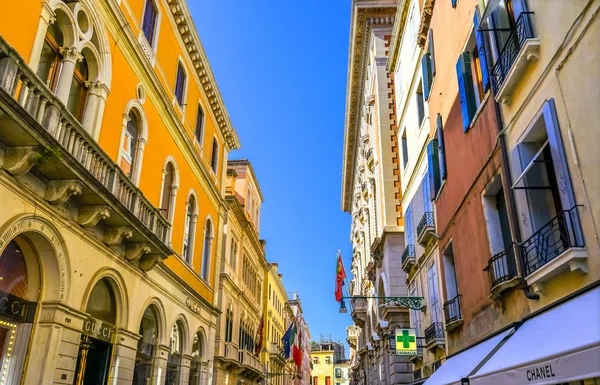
557,346
461,365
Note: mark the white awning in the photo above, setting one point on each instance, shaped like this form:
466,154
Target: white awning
557,346
461,365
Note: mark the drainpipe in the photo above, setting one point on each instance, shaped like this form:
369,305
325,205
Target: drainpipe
511,201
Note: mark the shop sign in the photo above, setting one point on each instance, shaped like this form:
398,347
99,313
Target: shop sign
406,342
193,305
98,329
16,308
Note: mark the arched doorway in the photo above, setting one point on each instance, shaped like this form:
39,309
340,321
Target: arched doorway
19,291
196,364
95,349
146,352
174,359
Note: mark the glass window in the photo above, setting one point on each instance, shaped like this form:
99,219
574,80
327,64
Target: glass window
78,90
149,21
167,193
180,84
214,159
101,304
174,358
199,124
208,236
189,230
50,58
433,294
146,349
129,148
195,377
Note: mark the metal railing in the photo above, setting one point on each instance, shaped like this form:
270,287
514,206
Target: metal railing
426,221
452,310
25,87
557,236
434,331
520,32
409,252
418,373
502,267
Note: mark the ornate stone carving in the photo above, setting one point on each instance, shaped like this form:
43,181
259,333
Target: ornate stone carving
19,160
89,216
71,54
59,191
135,251
148,262
115,235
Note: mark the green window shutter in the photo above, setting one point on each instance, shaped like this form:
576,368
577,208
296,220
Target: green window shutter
432,52
433,170
427,75
466,90
441,148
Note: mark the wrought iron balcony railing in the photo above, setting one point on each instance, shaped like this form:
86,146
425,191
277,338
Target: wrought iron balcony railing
452,312
425,228
418,374
435,331
559,235
408,257
508,54
502,267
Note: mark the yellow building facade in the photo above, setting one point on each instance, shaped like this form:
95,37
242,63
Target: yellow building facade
241,282
277,318
113,149
325,356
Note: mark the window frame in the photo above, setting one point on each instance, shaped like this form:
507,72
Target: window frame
180,99
199,127
157,19
214,156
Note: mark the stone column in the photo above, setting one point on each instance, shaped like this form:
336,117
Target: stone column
184,371
47,18
70,57
94,108
123,361
55,345
160,365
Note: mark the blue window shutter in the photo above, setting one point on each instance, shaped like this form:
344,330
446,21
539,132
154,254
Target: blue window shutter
485,76
432,52
465,89
441,148
454,3
426,67
433,169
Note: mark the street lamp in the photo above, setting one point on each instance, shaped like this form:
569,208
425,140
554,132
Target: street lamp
343,309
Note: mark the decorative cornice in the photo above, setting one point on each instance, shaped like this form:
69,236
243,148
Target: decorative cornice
366,15
193,45
426,15
397,33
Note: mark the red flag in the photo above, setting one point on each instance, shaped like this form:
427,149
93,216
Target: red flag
297,353
339,278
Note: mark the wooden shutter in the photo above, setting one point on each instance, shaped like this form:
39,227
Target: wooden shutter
441,147
465,89
427,76
199,124
454,3
432,52
433,171
179,84
485,76
149,21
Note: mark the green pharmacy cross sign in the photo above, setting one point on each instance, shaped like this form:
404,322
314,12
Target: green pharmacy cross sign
406,342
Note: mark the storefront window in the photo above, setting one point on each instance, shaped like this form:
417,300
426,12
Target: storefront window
174,360
195,367
144,360
16,314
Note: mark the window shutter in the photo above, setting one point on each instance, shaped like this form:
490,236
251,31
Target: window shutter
485,76
427,77
454,3
441,148
432,53
465,89
433,170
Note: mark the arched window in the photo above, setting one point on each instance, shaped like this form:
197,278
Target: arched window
199,125
180,84
174,359
150,21
214,157
197,354
50,58
130,145
168,191
146,349
207,252
101,304
189,229
78,91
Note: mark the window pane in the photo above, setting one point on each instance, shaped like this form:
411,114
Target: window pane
149,22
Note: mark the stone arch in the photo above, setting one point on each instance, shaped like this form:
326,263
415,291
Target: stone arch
92,58
66,22
183,326
43,240
134,106
119,288
161,317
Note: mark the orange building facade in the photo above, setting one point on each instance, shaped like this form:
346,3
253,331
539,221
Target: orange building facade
114,142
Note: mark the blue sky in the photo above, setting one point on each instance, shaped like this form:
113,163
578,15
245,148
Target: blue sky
281,67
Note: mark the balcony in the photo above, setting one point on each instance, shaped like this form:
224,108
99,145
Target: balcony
502,271
434,336
43,140
453,314
418,374
359,311
520,49
425,228
227,354
250,364
555,248
276,351
408,258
